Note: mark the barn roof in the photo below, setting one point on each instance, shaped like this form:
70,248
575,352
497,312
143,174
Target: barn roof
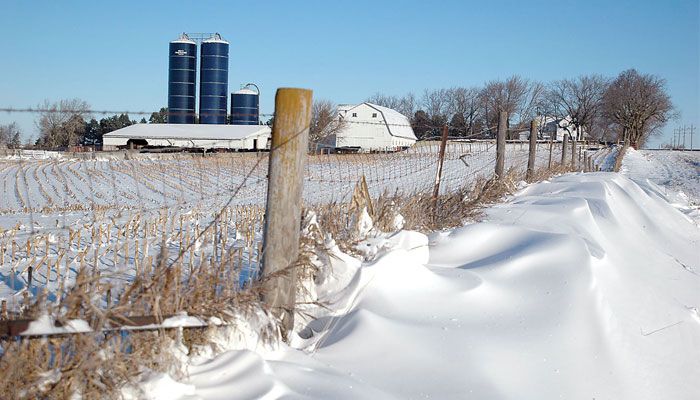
397,123
189,131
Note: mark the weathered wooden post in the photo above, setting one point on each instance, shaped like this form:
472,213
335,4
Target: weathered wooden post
441,159
501,144
290,137
573,154
532,151
551,146
564,146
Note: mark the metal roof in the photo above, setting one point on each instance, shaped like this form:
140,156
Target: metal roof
189,131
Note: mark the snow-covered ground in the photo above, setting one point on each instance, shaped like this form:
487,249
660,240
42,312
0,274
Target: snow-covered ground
583,287
677,172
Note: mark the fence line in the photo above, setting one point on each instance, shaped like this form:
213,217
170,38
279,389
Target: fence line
125,219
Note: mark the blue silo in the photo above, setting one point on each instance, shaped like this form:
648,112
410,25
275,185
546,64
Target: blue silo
182,75
245,106
213,81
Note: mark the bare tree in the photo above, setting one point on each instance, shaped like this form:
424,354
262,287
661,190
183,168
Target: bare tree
464,108
62,123
325,120
638,105
405,104
436,103
10,136
580,99
516,96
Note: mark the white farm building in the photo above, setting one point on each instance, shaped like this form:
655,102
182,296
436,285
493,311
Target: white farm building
200,136
369,127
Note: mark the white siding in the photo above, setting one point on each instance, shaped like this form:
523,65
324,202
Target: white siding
369,127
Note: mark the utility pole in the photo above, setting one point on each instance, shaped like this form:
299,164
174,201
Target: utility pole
673,139
684,136
692,132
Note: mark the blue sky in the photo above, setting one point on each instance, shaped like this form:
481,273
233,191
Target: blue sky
114,54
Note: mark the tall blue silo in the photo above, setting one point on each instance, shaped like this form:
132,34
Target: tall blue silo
213,81
182,75
245,106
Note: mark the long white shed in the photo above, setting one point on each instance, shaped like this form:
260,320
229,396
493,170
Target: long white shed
201,136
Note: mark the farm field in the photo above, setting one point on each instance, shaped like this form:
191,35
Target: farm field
115,216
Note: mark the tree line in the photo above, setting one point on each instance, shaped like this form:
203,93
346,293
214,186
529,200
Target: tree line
69,122
630,107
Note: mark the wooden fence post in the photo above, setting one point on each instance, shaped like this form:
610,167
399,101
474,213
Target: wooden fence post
573,154
290,137
532,151
551,146
441,158
564,146
501,144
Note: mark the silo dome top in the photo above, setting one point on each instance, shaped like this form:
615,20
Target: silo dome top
245,91
215,38
183,38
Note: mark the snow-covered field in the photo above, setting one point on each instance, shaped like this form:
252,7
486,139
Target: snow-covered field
583,287
54,210
677,172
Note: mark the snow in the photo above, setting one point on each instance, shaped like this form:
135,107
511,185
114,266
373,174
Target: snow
45,325
677,172
189,131
585,286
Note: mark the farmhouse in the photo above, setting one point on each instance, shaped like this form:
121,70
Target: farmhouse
200,136
369,127
554,128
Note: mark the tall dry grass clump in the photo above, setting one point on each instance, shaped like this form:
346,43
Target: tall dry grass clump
99,363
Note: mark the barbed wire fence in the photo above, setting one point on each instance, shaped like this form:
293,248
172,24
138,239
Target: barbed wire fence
116,221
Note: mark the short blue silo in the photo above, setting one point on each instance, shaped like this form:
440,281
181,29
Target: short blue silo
182,75
213,81
245,106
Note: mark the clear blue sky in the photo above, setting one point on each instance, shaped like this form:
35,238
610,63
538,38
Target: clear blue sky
114,54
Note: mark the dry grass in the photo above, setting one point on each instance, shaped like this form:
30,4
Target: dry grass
98,365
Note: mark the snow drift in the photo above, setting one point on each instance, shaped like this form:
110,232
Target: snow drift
583,287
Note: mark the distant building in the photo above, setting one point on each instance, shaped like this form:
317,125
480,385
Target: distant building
369,127
199,136
553,127
557,128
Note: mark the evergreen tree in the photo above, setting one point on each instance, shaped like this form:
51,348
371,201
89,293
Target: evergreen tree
421,124
160,117
92,134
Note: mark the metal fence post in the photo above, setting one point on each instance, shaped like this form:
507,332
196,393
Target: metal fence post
532,151
290,137
501,144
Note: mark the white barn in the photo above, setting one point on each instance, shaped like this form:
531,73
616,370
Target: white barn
201,136
369,127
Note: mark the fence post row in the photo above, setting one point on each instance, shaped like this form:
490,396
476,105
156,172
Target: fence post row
290,137
564,146
501,144
532,151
